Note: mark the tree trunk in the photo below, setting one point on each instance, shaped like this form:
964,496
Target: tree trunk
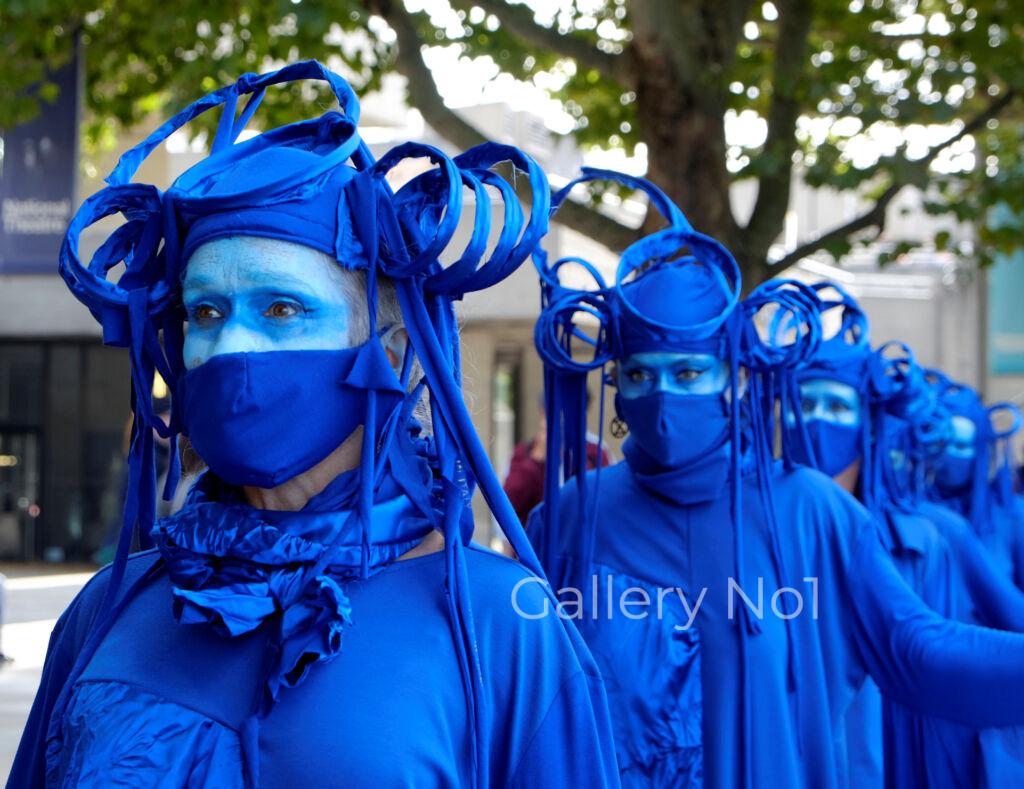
681,112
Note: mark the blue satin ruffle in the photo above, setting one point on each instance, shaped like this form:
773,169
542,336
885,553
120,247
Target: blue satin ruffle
235,569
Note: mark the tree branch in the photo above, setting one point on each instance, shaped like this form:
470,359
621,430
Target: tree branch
875,216
774,186
592,224
422,89
426,98
518,20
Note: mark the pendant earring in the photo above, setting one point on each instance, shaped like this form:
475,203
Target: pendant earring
618,428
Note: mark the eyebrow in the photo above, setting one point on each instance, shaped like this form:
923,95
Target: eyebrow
269,276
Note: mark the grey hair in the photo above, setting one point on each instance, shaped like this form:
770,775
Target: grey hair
389,312
389,316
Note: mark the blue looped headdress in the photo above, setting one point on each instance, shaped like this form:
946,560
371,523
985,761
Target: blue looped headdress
316,183
1002,449
843,356
962,400
897,413
905,421
677,290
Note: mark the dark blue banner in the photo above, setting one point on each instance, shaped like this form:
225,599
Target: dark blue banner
37,181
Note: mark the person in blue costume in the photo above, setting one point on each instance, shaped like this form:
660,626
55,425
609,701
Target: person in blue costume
960,479
868,416
316,614
1005,421
844,416
733,604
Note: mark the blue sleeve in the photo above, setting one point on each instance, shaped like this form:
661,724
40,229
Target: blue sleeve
29,767
996,601
573,745
66,640
939,667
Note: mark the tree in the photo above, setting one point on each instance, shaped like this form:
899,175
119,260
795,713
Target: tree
664,73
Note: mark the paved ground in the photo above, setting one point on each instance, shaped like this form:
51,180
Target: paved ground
36,595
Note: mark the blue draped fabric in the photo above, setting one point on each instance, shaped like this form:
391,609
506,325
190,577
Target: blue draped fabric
938,557
387,712
913,655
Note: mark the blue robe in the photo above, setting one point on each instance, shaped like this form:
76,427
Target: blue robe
957,755
925,560
161,701
676,695
1001,531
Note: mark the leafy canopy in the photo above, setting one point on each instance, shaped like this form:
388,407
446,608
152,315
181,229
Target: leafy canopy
849,94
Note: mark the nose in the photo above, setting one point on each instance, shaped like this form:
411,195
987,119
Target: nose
820,411
232,336
664,381
235,337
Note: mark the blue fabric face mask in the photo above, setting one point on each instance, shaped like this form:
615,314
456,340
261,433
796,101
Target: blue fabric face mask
676,430
953,473
262,418
835,445
832,417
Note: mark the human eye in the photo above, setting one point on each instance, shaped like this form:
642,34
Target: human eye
689,374
282,309
807,405
202,314
838,407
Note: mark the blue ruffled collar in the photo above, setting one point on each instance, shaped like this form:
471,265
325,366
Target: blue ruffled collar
236,569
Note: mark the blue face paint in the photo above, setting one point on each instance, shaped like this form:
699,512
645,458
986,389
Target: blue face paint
247,294
964,432
953,470
831,413
830,401
641,374
269,356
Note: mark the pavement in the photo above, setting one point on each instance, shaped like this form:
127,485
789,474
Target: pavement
35,596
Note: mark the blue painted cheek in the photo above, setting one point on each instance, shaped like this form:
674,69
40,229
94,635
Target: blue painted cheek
958,450
235,333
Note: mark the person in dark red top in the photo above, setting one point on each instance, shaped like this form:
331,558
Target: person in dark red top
524,484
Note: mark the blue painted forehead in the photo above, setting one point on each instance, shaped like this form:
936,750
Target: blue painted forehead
680,294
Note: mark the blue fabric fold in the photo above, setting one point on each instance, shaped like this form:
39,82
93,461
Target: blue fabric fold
121,735
236,568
